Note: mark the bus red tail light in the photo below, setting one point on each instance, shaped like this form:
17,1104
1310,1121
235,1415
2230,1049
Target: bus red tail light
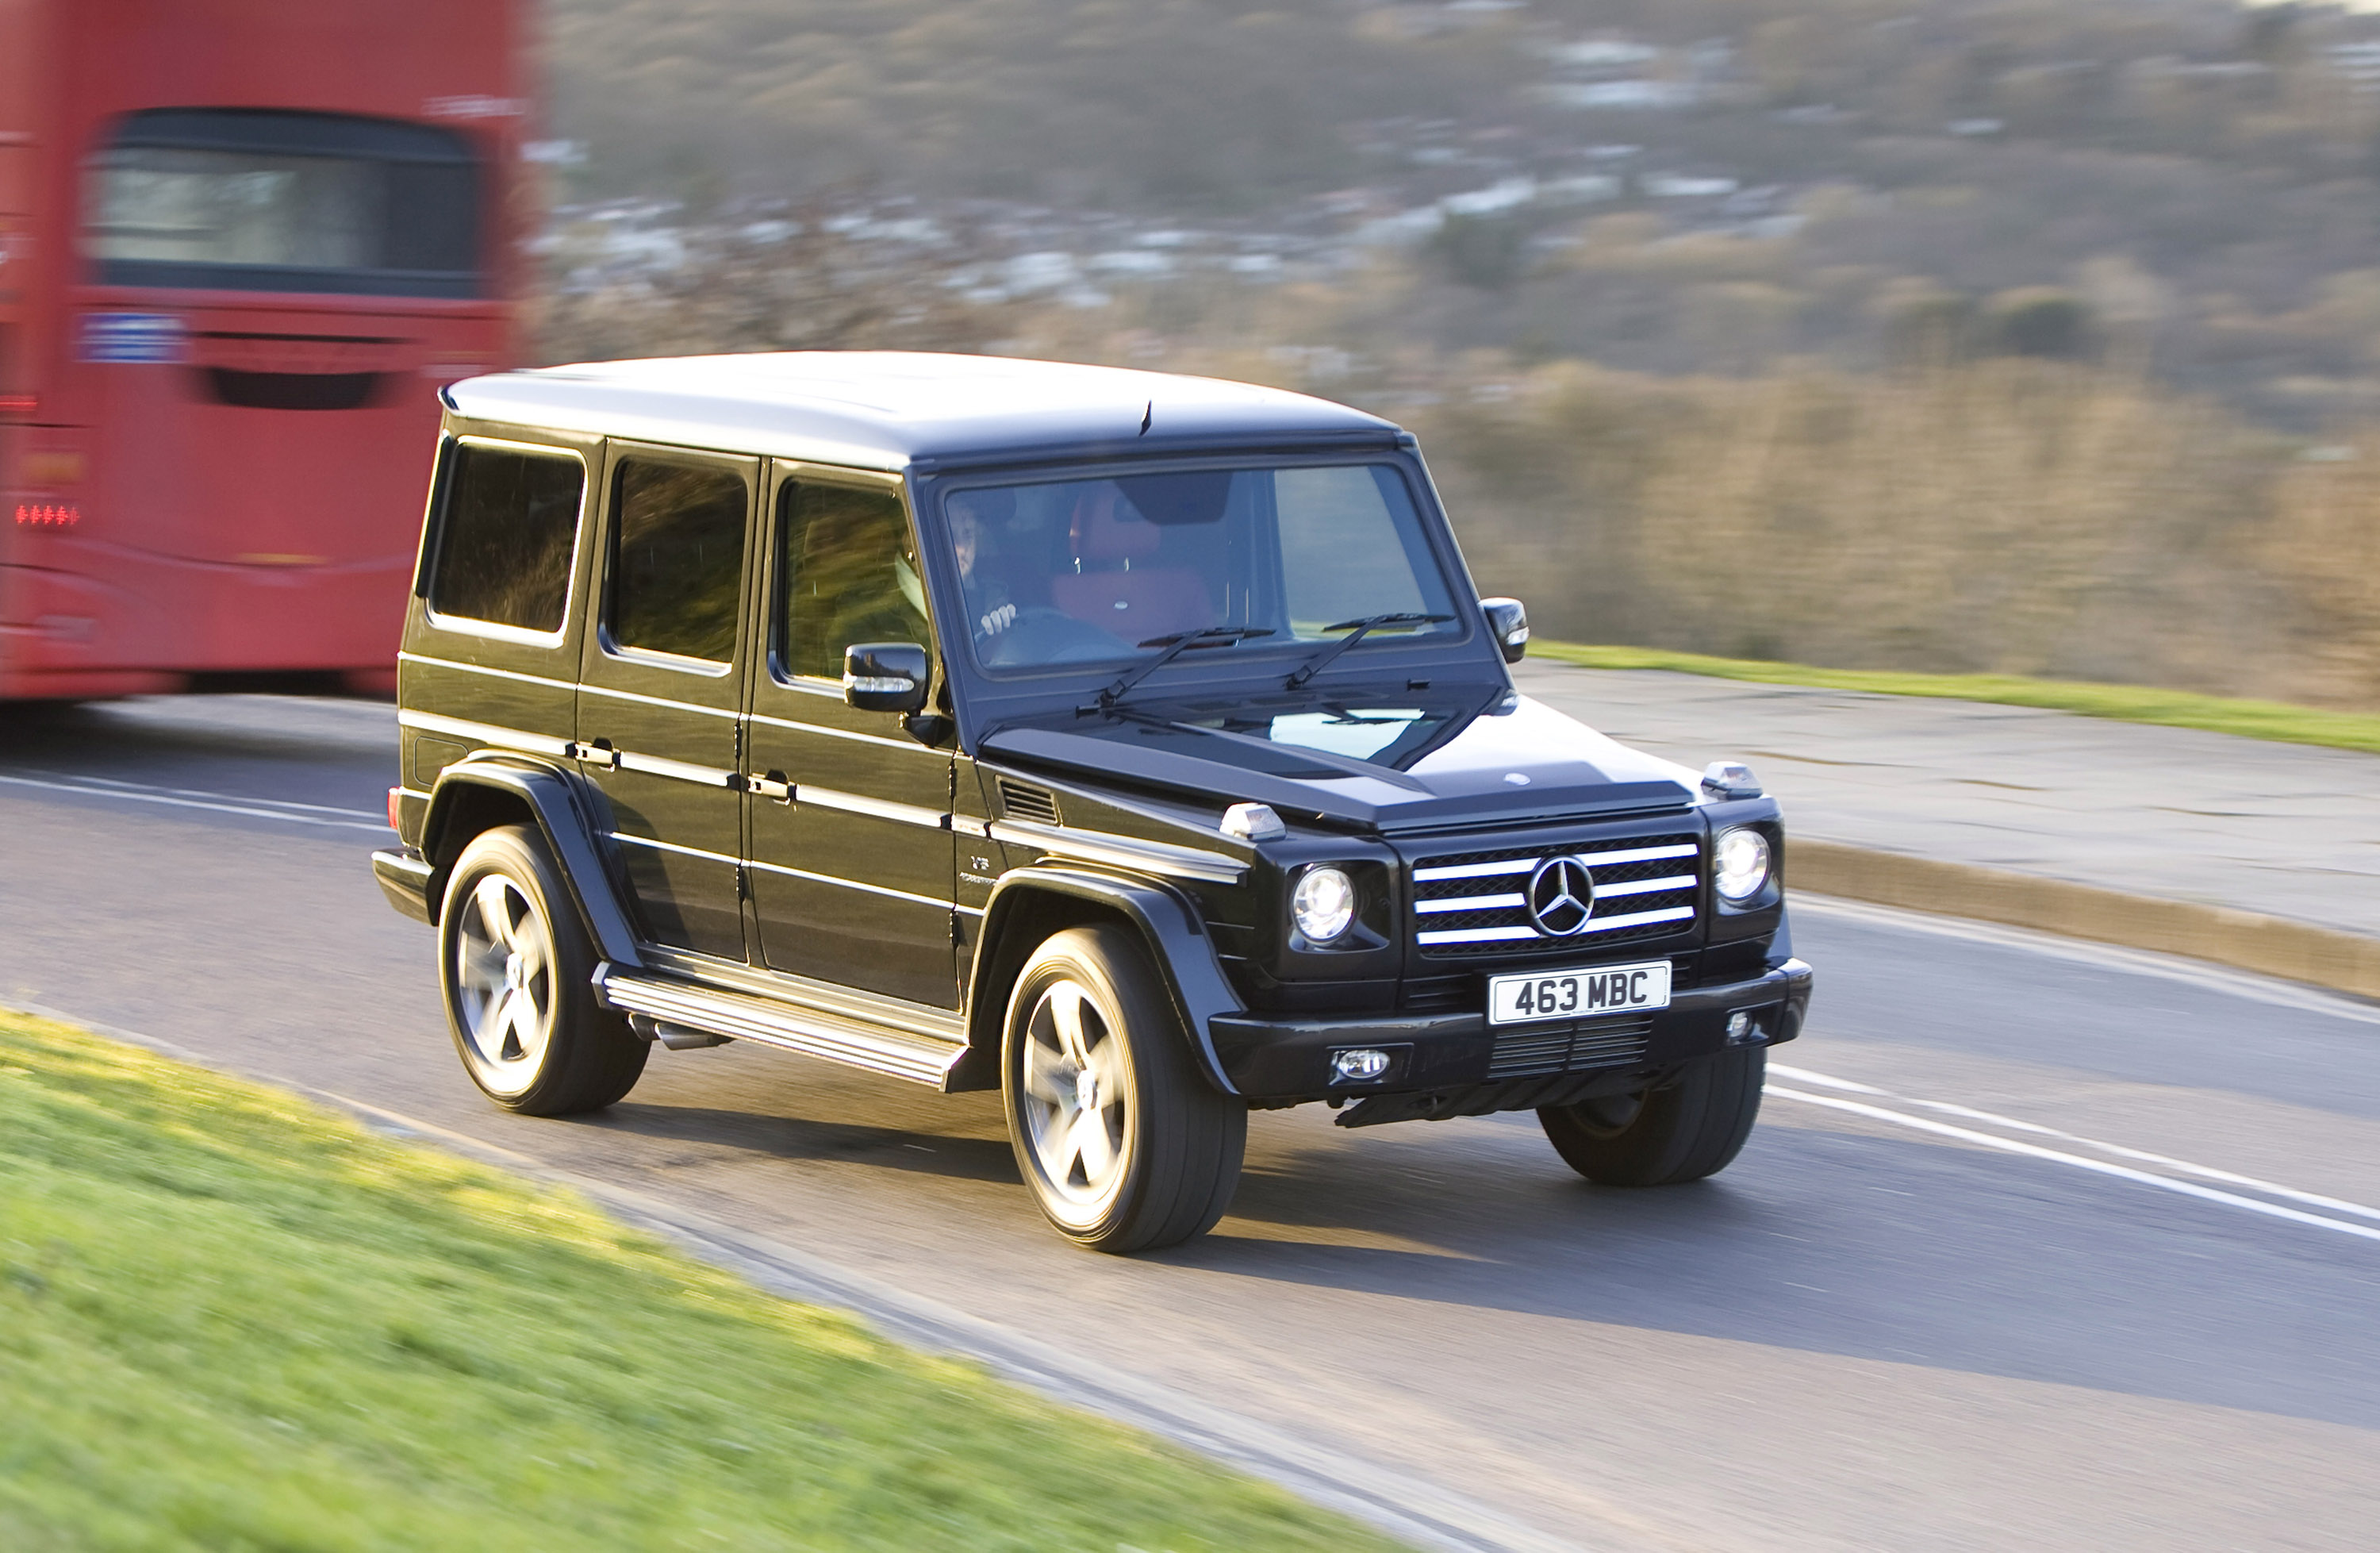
57,517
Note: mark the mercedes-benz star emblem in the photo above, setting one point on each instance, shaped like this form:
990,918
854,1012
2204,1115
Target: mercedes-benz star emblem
1561,897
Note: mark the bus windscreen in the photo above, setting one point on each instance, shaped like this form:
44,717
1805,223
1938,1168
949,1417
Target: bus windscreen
255,201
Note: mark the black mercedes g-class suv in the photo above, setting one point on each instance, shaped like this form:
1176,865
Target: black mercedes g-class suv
1133,745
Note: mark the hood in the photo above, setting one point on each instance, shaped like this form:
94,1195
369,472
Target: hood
1400,763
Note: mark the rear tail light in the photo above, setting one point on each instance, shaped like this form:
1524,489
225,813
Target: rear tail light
48,515
395,801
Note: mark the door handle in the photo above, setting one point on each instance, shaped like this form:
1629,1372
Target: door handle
773,785
598,752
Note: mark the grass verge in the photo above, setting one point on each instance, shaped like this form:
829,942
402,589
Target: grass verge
2274,720
230,1319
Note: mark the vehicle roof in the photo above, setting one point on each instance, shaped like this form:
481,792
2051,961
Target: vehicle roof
890,409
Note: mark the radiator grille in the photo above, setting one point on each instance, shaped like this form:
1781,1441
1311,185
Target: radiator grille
1570,1049
1477,903
1019,801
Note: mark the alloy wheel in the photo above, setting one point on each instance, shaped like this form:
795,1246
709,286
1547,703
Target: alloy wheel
503,982
1076,1100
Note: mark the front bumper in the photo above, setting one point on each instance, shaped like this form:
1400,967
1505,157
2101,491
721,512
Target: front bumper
1268,1058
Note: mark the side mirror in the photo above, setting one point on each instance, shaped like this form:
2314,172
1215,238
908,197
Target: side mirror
886,676
1510,621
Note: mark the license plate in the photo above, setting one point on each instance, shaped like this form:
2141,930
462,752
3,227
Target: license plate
1605,989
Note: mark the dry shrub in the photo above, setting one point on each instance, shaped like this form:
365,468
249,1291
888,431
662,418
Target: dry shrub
2010,516
2323,543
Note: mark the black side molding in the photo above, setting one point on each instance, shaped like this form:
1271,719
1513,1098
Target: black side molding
1176,939
567,818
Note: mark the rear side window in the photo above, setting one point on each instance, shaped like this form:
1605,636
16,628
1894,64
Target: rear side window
677,558
512,522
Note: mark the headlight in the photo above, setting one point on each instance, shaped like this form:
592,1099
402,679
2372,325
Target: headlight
1743,864
1323,903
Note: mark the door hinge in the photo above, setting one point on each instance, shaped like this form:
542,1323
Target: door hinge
743,882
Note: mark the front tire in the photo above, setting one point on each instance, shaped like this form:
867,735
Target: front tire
517,970
1660,1137
1125,1144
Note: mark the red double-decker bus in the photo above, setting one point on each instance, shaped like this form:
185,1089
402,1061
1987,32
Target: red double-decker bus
242,245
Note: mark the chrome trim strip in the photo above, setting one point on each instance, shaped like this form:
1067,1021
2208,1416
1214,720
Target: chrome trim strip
876,808
1475,870
494,673
1595,924
660,765
657,700
670,847
810,1032
1523,865
849,884
843,733
1479,936
1471,903
1647,886
969,825
1638,854
486,733
1120,851
970,910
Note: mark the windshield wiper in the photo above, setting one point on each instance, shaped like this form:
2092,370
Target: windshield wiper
1175,645
1359,629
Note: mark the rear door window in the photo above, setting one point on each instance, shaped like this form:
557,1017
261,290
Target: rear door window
677,558
511,528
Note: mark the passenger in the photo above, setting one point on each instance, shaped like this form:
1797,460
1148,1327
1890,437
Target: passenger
989,608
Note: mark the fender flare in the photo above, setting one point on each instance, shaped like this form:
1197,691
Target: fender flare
1170,926
566,817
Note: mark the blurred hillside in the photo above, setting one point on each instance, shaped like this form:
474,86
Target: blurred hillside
1665,184
2028,334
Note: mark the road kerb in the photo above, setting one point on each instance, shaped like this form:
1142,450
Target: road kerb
2295,951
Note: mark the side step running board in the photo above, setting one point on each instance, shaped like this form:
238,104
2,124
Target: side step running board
918,1058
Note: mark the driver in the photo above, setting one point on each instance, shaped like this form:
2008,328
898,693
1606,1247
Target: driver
987,603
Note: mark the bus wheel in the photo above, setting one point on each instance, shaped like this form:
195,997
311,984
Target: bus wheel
517,969
1124,1144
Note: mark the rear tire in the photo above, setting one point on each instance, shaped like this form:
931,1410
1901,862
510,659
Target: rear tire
1124,1144
517,970
1660,1137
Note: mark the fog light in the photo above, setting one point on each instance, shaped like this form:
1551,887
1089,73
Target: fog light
1355,1066
1742,1029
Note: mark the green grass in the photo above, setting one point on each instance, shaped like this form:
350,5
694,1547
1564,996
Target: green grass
229,1319
2274,720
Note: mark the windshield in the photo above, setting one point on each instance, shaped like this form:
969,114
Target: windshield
247,199
1100,571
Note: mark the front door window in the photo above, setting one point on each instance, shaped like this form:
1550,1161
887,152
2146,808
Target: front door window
852,867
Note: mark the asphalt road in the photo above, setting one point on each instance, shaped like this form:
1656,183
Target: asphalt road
2036,1245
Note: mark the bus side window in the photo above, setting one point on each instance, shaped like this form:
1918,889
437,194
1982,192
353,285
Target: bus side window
509,530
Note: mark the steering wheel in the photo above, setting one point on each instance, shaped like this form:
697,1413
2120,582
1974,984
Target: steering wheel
1043,635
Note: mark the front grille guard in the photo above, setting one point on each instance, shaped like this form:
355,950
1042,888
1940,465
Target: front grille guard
1470,906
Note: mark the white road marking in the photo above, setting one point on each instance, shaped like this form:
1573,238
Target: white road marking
2205,1172
221,803
2098,1167
2171,967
